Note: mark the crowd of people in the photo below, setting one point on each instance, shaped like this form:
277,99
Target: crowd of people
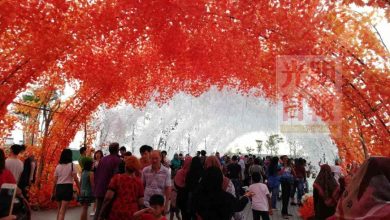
122,186
204,187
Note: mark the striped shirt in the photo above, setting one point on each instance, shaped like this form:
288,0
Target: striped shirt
155,182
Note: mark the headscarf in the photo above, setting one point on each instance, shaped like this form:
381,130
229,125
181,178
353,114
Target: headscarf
132,164
213,161
368,194
327,186
180,178
194,174
211,181
175,162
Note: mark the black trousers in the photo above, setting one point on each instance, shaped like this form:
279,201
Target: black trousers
286,189
99,203
256,215
187,216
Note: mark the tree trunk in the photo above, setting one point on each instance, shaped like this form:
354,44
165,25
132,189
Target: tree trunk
363,142
85,133
41,164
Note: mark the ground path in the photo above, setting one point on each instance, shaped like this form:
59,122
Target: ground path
74,213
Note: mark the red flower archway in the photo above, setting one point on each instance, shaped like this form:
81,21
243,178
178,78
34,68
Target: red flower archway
137,50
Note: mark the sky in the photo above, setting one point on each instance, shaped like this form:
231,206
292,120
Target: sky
382,25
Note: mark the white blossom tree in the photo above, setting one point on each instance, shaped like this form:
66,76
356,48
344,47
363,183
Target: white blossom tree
186,124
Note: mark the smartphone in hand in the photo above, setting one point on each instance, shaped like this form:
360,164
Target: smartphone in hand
7,198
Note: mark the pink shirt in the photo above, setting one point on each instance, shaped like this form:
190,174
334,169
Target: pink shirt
259,199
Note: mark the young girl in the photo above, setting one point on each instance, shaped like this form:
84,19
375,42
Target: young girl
87,184
261,200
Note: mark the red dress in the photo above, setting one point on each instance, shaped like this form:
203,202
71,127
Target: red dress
148,216
6,177
127,190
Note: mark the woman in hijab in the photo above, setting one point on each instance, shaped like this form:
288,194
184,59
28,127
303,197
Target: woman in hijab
211,202
126,192
178,188
180,178
227,185
367,196
325,193
187,183
175,165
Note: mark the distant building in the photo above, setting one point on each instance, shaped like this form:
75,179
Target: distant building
9,140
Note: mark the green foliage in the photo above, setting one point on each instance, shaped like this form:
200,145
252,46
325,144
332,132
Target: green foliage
249,150
272,144
259,146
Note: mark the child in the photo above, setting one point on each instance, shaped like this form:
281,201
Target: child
87,184
154,212
261,200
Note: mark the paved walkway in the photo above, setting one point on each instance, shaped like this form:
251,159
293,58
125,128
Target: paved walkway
74,213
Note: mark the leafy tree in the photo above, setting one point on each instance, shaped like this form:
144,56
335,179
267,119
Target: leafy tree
293,147
272,143
229,153
259,146
38,108
249,149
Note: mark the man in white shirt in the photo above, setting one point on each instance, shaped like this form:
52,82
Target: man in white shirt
13,164
156,179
